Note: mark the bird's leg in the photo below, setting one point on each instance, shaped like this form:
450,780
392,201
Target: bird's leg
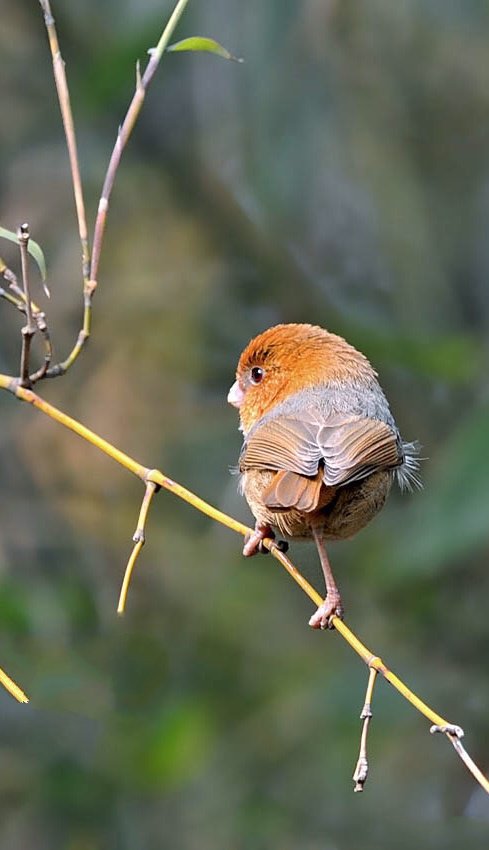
253,542
332,604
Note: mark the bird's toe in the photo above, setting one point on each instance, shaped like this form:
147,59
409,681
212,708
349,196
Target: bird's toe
330,608
254,542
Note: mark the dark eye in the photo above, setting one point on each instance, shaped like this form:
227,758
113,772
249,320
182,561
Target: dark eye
257,375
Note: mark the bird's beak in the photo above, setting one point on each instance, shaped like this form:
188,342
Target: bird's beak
236,395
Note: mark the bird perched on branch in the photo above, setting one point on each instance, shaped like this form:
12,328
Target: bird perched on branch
321,448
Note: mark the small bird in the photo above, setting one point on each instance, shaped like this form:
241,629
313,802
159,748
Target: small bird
321,448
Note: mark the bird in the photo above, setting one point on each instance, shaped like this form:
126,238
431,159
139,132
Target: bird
321,448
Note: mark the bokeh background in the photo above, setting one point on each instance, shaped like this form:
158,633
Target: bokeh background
340,175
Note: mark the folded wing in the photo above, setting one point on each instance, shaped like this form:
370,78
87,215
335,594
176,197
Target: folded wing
315,450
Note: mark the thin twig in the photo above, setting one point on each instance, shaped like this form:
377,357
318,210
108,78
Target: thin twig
30,328
139,539
125,130
14,287
48,349
146,475
10,277
17,298
12,299
361,770
23,237
454,735
90,268
69,127
121,606
25,356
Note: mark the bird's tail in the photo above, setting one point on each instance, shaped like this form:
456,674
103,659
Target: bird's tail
407,473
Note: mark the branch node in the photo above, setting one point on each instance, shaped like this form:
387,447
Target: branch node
366,711
23,233
448,729
360,775
361,770
149,478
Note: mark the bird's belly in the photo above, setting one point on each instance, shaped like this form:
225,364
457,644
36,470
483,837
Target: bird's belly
342,513
356,505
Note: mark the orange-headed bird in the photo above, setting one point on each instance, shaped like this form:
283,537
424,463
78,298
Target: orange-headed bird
321,447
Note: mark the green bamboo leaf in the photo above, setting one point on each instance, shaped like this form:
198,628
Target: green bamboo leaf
34,249
200,44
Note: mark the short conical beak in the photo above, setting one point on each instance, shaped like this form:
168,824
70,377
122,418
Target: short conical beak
236,395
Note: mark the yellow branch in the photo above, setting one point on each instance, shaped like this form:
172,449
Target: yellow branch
138,538
452,732
12,687
167,483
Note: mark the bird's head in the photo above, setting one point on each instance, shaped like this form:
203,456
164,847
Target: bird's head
286,359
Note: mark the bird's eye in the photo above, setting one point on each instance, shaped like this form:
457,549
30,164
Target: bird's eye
257,375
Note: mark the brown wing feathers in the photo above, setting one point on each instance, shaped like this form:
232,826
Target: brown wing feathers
307,454
282,444
357,449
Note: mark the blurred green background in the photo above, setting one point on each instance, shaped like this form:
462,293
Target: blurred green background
339,176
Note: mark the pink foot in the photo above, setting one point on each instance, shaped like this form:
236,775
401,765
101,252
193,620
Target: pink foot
331,606
254,542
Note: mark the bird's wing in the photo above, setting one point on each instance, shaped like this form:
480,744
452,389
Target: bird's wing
342,448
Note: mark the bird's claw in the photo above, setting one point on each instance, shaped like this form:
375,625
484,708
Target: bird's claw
331,607
254,542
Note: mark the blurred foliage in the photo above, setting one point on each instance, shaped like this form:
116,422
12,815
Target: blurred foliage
339,175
